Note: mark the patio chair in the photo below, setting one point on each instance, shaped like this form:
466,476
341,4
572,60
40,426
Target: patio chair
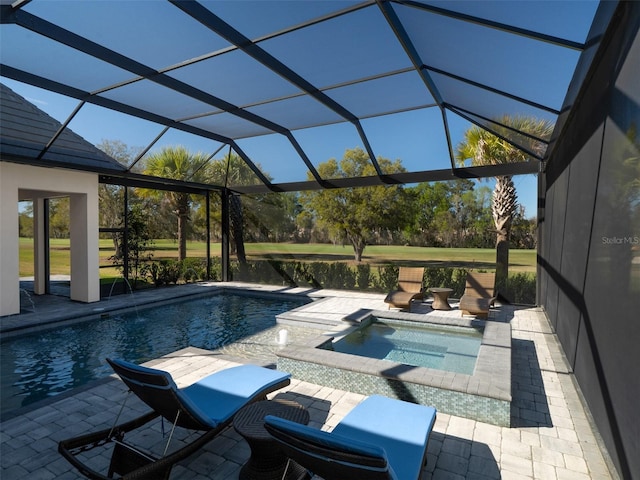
479,295
379,439
409,288
208,405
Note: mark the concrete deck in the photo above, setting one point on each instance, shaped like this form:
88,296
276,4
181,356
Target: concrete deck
551,435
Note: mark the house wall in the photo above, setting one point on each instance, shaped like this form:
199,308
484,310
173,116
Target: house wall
19,181
589,253
9,261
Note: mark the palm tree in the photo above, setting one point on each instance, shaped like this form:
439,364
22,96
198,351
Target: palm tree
231,171
484,148
179,164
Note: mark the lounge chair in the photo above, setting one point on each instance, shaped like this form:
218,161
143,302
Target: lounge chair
379,439
478,294
409,288
207,405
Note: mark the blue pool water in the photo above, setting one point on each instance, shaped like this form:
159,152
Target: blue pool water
443,348
43,364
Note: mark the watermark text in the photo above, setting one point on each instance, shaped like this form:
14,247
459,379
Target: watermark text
628,240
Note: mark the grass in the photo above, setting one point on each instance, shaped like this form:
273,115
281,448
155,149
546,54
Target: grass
520,260
481,258
60,263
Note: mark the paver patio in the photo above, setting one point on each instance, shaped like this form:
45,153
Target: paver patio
551,436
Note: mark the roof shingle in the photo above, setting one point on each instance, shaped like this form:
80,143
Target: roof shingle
25,130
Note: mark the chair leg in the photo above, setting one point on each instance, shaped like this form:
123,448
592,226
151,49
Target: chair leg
173,428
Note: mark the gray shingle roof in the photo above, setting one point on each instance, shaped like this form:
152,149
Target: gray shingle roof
25,131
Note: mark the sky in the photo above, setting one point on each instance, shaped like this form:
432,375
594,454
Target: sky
96,124
415,137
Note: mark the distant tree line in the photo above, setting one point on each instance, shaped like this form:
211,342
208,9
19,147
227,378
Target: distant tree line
441,214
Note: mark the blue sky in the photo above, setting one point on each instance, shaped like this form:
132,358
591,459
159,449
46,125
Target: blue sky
399,141
416,137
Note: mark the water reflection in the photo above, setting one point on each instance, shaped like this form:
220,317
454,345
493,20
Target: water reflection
39,365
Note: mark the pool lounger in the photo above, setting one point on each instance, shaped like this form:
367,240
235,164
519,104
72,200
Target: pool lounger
208,405
381,438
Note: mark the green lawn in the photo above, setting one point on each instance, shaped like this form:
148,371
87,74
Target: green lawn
520,260
59,251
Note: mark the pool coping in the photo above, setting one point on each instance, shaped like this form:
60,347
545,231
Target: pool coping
491,379
77,312
12,325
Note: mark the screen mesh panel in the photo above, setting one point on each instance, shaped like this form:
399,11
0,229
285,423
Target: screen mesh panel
398,79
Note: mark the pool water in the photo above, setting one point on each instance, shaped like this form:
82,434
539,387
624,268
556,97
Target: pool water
454,349
44,364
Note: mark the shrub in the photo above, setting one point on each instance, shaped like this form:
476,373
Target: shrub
303,274
172,270
363,276
341,276
454,278
216,269
458,282
318,272
387,278
338,275
164,272
154,271
284,271
194,269
521,288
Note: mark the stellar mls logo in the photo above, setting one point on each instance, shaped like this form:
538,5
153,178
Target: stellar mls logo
621,240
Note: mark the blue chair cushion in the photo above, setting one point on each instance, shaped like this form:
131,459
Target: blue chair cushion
212,400
401,428
220,395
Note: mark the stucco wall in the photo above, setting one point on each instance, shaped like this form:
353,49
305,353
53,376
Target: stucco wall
16,180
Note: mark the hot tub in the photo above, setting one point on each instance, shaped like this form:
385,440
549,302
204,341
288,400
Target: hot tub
484,394
441,347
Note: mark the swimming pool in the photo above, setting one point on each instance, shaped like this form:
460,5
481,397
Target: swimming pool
40,365
435,346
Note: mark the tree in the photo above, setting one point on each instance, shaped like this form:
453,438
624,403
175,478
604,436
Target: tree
25,224
270,217
477,205
484,148
355,214
139,244
179,164
229,171
59,217
523,230
451,214
111,197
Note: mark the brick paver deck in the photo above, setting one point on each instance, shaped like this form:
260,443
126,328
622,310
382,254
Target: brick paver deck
551,436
